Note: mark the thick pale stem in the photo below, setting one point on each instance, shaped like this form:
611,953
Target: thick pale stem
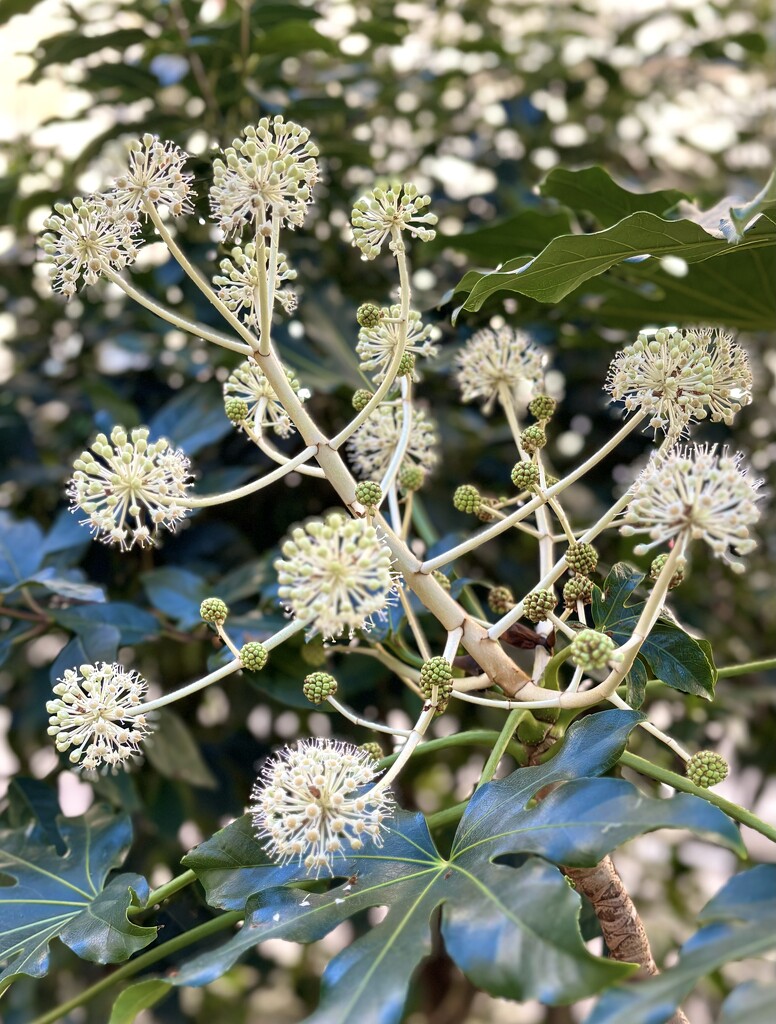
404,437
357,720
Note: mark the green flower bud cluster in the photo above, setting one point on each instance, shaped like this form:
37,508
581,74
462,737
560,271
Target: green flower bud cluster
591,649
411,477
369,315
360,398
525,475
406,365
236,409
582,558
467,499
369,493
533,438
319,686
254,656
500,600
213,610
539,604
373,749
437,672
578,588
706,768
678,577
542,408
441,579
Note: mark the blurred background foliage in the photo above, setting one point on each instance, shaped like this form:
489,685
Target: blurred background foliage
475,101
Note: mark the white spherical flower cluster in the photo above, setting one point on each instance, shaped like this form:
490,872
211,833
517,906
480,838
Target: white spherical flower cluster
377,345
377,214
83,241
372,445
129,487
493,360
265,410
91,715
154,176
336,574
309,806
239,281
696,493
271,171
678,377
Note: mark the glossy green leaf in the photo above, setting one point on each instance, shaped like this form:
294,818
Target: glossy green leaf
134,624
173,752
50,892
570,260
527,232
670,653
593,190
177,593
739,922
513,931
135,998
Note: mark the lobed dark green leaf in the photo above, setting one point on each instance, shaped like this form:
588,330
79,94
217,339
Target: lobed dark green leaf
593,190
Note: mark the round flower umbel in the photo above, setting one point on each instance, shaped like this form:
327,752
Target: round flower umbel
377,344
679,377
90,715
265,410
309,804
372,445
377,214
496,359
154,176
84,240
336,574
696,493
129,487
271,171
239,281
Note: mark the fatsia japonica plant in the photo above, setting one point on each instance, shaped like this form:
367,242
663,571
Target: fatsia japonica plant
565,655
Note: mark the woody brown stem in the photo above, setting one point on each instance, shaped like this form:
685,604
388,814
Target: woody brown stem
623,930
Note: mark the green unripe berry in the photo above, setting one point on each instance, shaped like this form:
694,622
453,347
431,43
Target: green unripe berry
373,749
539,604
406,365
591,649
679,574
318,686
213,610
533,438
236,409
706,768
441,579
525,475
254,656
550,481
578,588
411,477
467,499
360,398
436,672
500,600
582,558
542,407
368,315
369,493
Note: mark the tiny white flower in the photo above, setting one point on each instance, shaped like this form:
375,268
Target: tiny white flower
493,360
271,170
240,278
84,240
379,212
377,345
309,804
335,575
91,715
155,176
697,493
129,487
678,377
264,407
372,445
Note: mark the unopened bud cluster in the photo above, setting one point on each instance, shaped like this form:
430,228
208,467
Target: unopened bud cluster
591,649
319,686
538,605
706,768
